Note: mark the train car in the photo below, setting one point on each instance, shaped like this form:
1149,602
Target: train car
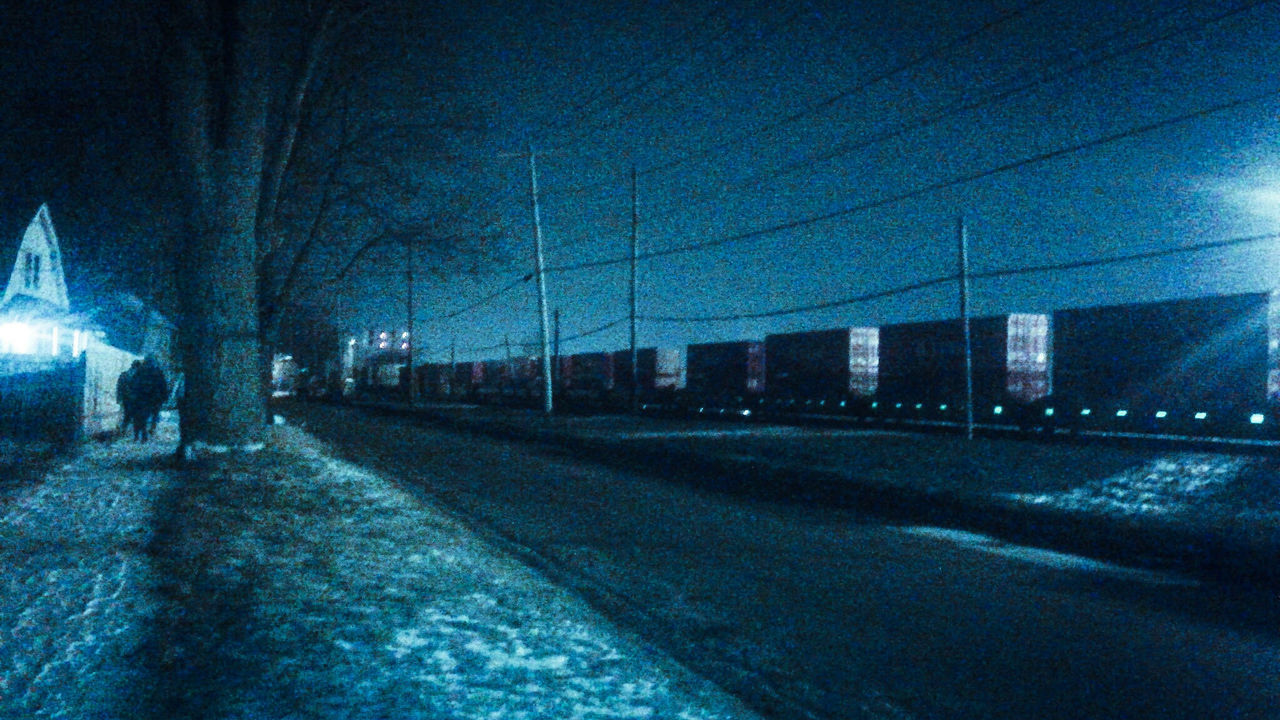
923,371
660,372
586,380
725,374
1204,365
437,381
822,369
526,384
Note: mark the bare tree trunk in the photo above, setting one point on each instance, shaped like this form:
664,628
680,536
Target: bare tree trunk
221,92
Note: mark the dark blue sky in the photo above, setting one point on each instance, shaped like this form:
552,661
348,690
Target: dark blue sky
821,150
825,151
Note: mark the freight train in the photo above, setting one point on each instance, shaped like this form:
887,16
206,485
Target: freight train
1207,366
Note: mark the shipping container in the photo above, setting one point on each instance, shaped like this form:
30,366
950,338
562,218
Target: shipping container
586,375
726,371
924,363
659,370
1179,357
822,365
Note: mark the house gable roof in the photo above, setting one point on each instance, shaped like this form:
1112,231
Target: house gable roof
37,272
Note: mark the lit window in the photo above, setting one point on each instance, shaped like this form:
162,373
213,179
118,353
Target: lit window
1048,412
1202,415
1086,411
1161,414
997,410
1257,418
1122,413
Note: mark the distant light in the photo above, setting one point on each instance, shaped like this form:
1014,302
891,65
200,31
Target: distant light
1161,414
1122,413
919,406
382,336
943,407
997,410
18,338
1257,418
1086,411
746,413
899,405
404,346
843,403
404,335
352,341
1048,412
383,345
1202,415
875,405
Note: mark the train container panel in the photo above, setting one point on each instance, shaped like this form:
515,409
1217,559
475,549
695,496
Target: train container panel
587,375
433,380
659,371
526,377
822,364
726,370
925,362
1184,356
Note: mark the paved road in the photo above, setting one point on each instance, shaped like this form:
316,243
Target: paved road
807,612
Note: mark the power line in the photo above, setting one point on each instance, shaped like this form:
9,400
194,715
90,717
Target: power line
594,331
962,106
582,110
1001,273
487,298
927,188
806,308
1147,255
829,101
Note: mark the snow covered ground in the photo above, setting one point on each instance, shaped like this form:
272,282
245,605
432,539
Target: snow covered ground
285,584
1191,487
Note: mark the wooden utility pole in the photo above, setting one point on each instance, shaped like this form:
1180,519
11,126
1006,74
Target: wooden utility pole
635,257
548,406
962,236
408,276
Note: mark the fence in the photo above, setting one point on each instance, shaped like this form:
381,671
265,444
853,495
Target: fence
42,403
61,400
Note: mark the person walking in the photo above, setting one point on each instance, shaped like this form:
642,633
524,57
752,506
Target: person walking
127,396
152,391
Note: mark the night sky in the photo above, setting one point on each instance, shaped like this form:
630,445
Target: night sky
818,151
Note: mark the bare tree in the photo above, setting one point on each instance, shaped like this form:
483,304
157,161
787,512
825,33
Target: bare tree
292,178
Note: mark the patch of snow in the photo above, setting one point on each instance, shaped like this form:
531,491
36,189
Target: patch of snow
1047,558
1187,485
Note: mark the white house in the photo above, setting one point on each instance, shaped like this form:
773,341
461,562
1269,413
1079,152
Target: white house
56,373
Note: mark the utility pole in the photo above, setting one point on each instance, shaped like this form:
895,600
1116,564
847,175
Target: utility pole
962,236
548,406
408,276
556,353
635,257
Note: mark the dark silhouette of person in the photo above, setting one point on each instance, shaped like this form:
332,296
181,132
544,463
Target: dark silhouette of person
152,390
127,395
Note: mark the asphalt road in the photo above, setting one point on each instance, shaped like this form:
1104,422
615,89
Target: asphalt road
809,612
